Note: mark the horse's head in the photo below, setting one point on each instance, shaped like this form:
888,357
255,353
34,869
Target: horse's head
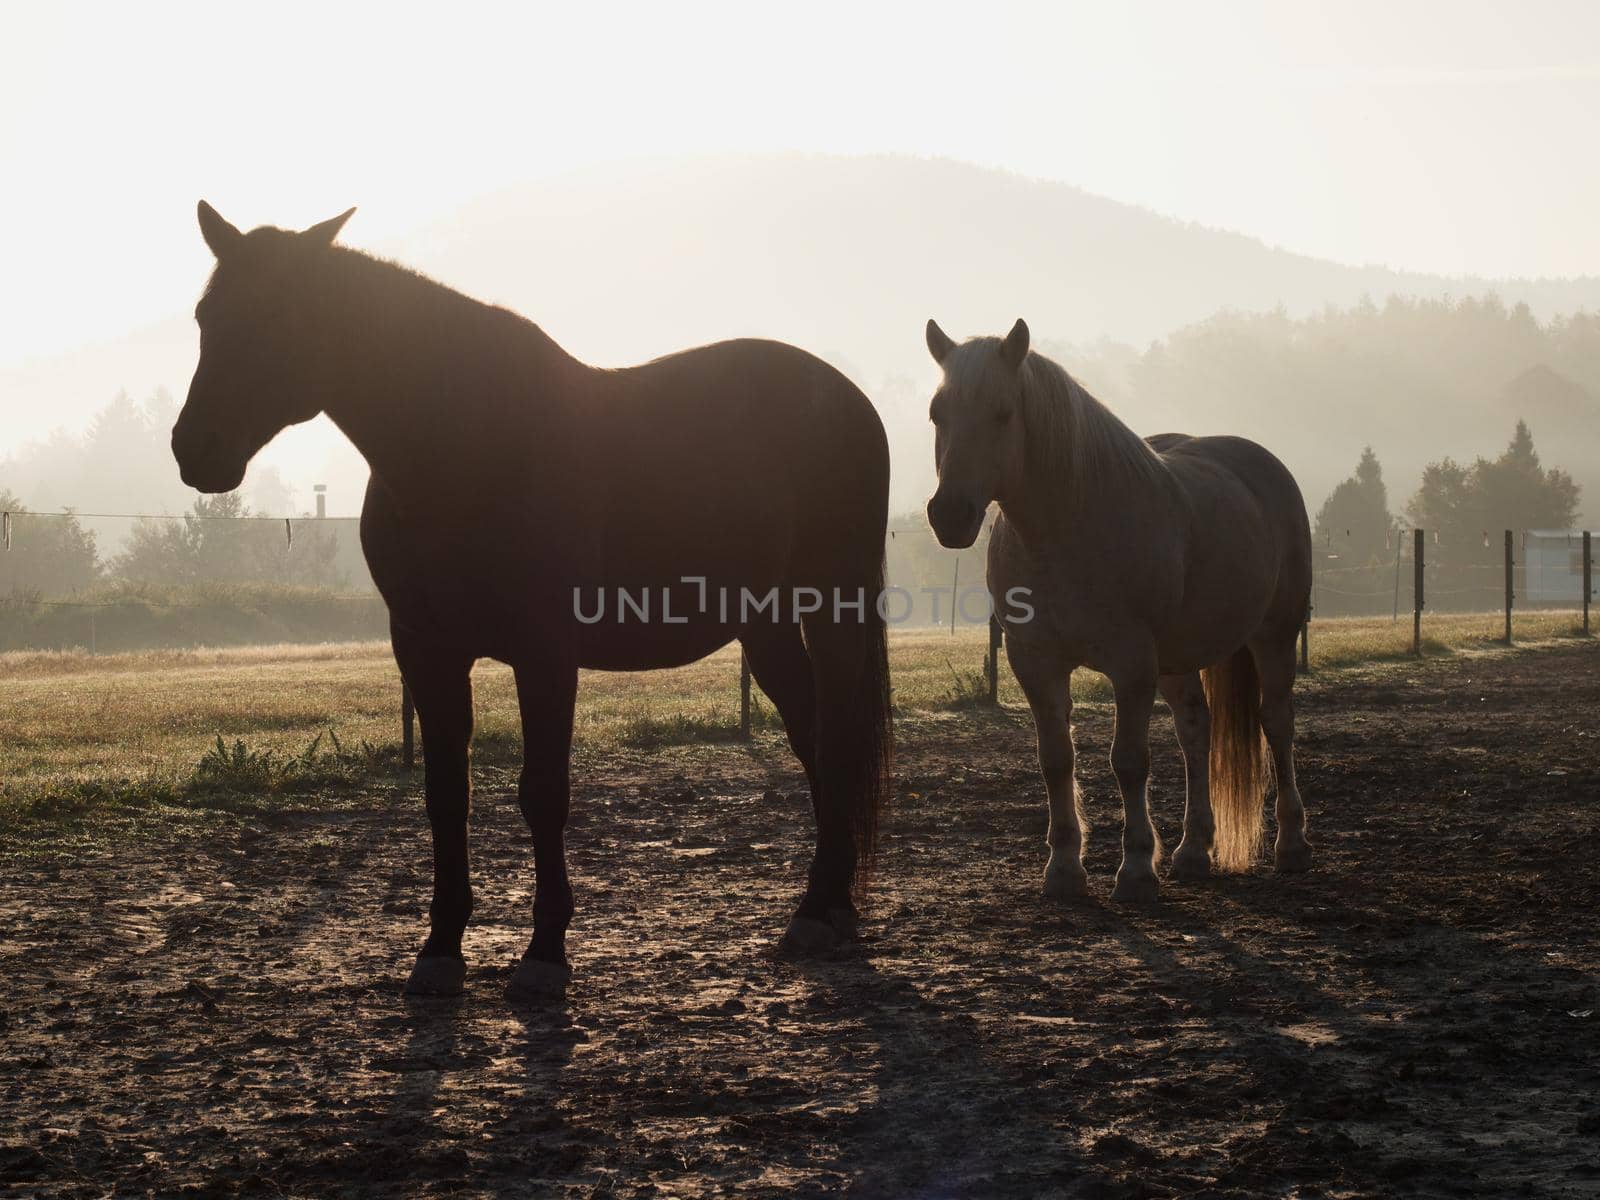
259,357
978,435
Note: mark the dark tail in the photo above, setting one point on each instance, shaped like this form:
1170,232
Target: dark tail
875,765
1238,779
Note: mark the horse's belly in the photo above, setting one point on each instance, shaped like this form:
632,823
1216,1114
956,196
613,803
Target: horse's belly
620,646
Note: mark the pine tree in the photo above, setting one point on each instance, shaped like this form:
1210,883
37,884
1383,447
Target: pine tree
1354,522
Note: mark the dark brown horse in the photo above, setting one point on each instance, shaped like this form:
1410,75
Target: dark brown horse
552,515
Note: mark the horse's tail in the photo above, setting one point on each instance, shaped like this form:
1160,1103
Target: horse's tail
875,779
1238,779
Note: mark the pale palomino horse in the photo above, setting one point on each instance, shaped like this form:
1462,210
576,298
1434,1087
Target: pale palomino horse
1175,564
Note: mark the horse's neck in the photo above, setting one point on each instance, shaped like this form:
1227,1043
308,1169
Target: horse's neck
1049,506
439,407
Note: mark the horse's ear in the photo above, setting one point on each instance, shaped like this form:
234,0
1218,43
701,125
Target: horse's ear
1015,348
939,343
219,235
326,231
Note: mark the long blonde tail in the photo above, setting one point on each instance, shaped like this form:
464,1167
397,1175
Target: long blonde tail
1238,766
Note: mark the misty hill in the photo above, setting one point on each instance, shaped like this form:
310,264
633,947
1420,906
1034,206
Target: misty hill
1418,380
848,257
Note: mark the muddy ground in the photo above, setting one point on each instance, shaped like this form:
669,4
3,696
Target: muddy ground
214,1008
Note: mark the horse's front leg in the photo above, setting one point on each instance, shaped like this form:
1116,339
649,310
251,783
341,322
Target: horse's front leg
1135,694
440,681
546,694
1047,683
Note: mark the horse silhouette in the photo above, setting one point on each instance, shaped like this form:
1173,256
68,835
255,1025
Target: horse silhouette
527,507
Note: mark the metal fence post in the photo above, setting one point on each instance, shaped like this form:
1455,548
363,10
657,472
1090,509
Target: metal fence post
1418,540
955,586
408,712
1509,592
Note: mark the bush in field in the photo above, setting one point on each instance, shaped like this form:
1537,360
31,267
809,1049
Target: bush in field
242,768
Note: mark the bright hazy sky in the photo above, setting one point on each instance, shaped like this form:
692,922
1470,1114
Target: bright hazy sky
1454,137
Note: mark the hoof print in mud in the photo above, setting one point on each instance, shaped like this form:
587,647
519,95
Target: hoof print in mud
538,982
437,977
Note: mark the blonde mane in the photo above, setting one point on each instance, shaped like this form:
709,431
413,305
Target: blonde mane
1076,445
1075,439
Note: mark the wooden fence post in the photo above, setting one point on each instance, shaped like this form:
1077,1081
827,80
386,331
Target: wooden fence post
994,659
1509,592
1588,581
1418,540
408,713
744,696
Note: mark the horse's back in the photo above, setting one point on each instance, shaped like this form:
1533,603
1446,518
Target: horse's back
752,425
1219,473
769,392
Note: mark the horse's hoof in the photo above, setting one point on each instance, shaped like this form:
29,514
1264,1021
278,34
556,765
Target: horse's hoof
807,935
1292,858
536,981
1190,864
437,976
1067,882
1136,889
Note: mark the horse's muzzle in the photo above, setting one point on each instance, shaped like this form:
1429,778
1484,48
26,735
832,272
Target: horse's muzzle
204,463
956,519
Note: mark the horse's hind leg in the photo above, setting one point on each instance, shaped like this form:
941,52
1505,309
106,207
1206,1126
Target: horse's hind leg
546,694
778,660
1275,664
1047,683
440,682
1186,696
837,652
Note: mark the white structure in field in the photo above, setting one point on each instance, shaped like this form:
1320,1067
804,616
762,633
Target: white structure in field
1553,560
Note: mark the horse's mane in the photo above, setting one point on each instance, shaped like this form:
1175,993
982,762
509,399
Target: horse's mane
383,287
1075,443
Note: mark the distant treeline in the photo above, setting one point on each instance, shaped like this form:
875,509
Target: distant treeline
218,540
1464,509
1416,379
126,617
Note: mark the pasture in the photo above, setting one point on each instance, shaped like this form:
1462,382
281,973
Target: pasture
84,732
205,962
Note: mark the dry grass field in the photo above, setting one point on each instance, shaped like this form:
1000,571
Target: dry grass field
78,730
